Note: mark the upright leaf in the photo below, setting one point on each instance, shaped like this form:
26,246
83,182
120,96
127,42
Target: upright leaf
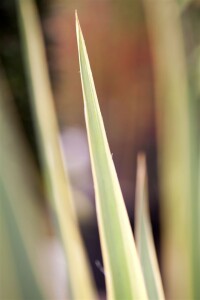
21,220
123,274
174,148
144,236
57,182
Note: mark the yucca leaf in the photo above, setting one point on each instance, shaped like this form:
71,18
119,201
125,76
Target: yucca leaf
9,283
194,69
25,278
123,274
184,4
174,148
57,182
21,220
144,236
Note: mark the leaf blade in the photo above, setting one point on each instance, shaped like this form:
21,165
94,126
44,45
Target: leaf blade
144,236
21,219
56,177
115,232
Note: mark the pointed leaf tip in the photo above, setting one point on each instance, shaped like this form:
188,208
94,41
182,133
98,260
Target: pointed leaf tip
78,29
116,235
76,15
144,235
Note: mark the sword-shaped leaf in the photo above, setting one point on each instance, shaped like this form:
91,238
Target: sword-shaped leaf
57,182
144,236
123,274
21,221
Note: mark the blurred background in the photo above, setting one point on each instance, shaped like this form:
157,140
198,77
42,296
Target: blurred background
122,49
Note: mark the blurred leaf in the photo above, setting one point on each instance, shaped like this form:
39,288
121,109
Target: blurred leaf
194,107
183,4
21,221
57,181
144,236
174,149
122,268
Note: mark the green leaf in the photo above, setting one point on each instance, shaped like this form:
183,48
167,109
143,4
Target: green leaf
172,101
184,4
57,182
144,236
21,220
123,273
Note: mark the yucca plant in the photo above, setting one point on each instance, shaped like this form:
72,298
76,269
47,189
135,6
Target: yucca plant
130,265
119,284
